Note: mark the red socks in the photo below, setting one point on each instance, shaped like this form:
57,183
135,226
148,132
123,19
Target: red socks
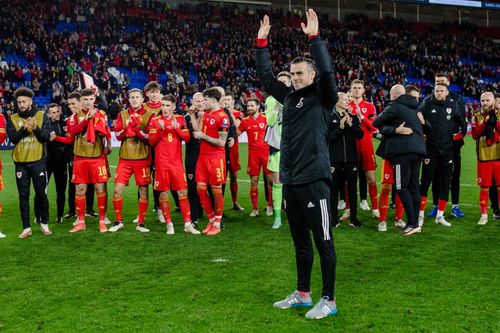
185,208
219,203
80,207
165,209
205,201
270,194
118,206
423,202
399,208
101,205
483,200
384,200
254,196
372,190
143,207
442,205
234,190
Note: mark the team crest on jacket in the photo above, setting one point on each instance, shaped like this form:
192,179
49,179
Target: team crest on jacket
448,110
190,176
19,174
427,160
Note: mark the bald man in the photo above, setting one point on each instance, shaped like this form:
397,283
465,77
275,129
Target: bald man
486,132
405,148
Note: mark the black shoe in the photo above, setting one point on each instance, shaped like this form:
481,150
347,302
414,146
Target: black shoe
392,205
59,220
194,224
222,226
335,224
91,213
70,215
496,214
355,223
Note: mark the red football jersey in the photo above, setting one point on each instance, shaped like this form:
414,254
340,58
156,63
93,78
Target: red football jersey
213,123
367,110
256,132
167,142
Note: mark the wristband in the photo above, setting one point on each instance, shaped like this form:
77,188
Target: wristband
311,37
261,42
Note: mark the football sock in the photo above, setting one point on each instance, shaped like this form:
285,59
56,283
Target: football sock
218,202
277,199
399,208
80,202
254,196
234,190
185,208
270,194
165,209
441,208
372,189
143,207
205,201
483,200
101,205
118,206
423,203
384,201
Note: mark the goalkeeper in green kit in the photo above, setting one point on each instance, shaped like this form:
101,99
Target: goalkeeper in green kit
273,138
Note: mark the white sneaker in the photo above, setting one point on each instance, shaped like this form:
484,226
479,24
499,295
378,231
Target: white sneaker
382,226
136,220
107,221
376,213
400,224
170,229
2,235
161,218
277,223
116,227
141,228
364,205
483,220
45,229
254,213
188,229
346,215
341,205
269,211
442,221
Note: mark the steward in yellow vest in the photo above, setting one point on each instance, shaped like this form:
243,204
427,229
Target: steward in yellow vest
29,130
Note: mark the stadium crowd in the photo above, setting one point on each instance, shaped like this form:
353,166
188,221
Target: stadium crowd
195,56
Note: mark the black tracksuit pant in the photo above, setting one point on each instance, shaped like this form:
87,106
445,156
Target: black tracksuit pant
60,172
342,173
25,173
406,172
443,163
455,180
308,209
194,200
494,196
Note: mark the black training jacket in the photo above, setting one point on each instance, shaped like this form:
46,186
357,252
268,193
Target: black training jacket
306,117
343,141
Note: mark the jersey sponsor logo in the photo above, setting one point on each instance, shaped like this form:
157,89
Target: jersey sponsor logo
448,110
310,205
334,121
19,174
300,103
427,160
42,173
433,111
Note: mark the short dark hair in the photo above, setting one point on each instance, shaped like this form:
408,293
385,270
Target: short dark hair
409,88
169,98
442,85
87,92
212,92
75,95
441,74
230,94
52,105
358,81
153,85
255,100
23,91
311,63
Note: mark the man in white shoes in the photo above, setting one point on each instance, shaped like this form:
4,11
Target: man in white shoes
166,133
132,127
486,132
29,130
258,154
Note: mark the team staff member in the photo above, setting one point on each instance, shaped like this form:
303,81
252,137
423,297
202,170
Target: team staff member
274,117
89,127
366,153
493,188
167,131
57,157
132,127
404,150
258,152
210,167
345,129
29,131
304,164
3,136
486,132
459,102
444,119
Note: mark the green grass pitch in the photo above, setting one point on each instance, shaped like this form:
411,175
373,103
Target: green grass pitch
442,280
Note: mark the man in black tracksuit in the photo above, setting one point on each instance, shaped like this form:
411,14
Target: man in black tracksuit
305,163
344,130
442,78
404,150
29,130
444,120
57,157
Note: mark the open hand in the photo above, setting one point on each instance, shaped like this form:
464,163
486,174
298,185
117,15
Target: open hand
402,130
312,23
264,28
